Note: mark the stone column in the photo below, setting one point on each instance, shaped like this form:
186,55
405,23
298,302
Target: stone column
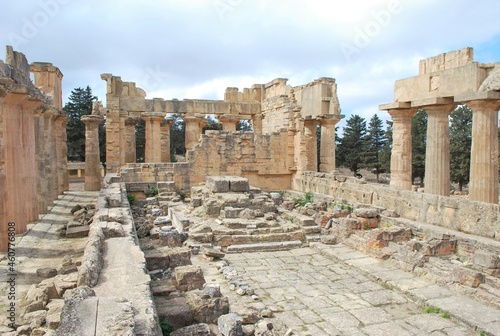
62,153
92,162
483,185
308,146
401,148
130,138
229,122
153,135
194,126
327,150
437,152
165,139
257,123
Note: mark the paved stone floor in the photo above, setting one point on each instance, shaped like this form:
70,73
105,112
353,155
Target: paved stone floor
317,295
41,246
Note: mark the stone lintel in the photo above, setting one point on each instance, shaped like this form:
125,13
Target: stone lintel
45,67
395,105
153,115
336,117
481,95
432,101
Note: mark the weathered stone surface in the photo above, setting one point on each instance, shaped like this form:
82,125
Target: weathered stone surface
212,289
169,236
213,253
46,272
189,277
366,212
486,259
164,258
175,310
264,328
162,220
53,318
217,183
439,247
200,329
230,325
329,240
207,309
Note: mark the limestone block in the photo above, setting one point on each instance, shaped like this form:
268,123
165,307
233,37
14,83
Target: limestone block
238,184
77,231
175,310
212,289
466,276
486,259
264,328
230,212
53,318
189,277
366,212
230,325
217,184
439,248
163,220
46,272
207,309
200,329
213,253
169,236
163,258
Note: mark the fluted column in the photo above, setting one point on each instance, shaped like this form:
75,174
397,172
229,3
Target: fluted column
401,148
194,127
437,153
327,150
165,139
130,138
483,185
92,163
153,135
229,122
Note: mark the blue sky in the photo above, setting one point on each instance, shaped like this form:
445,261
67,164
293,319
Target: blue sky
197,48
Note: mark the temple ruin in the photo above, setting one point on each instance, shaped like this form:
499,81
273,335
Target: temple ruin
182,234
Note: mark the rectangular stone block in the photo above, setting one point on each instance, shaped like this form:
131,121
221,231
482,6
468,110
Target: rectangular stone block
486,259
238,184
217,184
189,277
78,231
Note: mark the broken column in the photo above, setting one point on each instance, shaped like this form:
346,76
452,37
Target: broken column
153,135
92,161
130,153
483,185
194,126
61,121
327,150
437,154
308,146
401,145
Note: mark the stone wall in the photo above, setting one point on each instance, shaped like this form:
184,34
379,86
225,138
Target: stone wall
473,217
33,167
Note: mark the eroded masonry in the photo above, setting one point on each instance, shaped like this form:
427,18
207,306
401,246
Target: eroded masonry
172,244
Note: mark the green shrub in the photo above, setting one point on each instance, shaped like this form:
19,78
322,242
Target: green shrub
131,198
166,327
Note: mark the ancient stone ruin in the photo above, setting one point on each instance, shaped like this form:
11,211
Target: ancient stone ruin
250,235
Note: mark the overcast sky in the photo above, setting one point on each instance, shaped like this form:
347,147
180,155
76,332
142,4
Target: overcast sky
197,48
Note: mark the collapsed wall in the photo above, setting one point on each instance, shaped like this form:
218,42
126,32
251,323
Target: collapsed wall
33,166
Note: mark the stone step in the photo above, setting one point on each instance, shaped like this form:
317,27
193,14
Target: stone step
313,238
248,223
308,230
255,231
264,247
228,240
303,220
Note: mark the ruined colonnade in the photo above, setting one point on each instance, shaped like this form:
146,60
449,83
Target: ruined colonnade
448,88
33,164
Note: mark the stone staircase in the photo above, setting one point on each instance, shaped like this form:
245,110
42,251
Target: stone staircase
166,191
247,219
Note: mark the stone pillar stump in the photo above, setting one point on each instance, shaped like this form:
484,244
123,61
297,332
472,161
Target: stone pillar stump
153,135
327,150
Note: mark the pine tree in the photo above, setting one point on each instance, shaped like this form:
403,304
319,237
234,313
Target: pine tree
374,143
418,140
352,141
177,136
385,155
80,103
460,145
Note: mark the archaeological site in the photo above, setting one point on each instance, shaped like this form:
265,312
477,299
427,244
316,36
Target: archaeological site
252,232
